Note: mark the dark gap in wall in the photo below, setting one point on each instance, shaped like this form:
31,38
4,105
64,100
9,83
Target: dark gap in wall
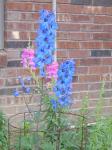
16,44
106,3
101,53
14,63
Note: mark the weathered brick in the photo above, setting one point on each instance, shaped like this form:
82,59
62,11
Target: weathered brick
82,70
74,36
19,26
91,45
90,62
2,82
102,36
69,27
91,28
78,53
81,18
42,6
68,45
19,6
107,28
11,72
3,59
63,1
107,45
62,53
107,61
89,78
98,69
103,20
80,87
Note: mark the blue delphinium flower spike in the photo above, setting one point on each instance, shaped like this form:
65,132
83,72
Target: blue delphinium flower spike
46,40
16,93
63,87
54,104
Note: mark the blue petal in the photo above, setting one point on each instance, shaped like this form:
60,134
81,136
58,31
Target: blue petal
16,93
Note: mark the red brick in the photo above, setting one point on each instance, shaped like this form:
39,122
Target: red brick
19,6
12,72
90,61
91,45
64,18
67,45
107,45
30,16
62,53
63,1
81,70
3,59
103,20
89,78
98,69
91,27
81,18
107,61
42,6
99,10
69,27
64,8
35,27
2,82
33,35
13,54
24,35
102,36
80,87
74,36
22,72
78,53
94,86
107,28
35,16
108,10
74,9
19,26
13,15
93,95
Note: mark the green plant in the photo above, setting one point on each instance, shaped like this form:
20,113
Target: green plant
100,134
3,132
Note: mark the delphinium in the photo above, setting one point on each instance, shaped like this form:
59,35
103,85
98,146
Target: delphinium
45,40
59,78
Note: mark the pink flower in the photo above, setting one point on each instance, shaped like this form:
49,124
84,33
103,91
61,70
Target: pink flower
52,70
27,58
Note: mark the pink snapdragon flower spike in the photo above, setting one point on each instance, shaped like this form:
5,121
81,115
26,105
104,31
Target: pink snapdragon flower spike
27,57
51,70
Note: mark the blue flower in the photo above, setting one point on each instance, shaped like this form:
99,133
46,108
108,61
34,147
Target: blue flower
42,72
28,78
64,101
21,81
54,104
63,87
46,39
16,93
27,90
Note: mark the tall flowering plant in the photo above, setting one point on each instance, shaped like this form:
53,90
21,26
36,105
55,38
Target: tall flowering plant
54,81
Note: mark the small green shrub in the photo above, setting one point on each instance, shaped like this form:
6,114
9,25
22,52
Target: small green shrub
3,132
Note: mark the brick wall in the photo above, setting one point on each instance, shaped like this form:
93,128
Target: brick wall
85,34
